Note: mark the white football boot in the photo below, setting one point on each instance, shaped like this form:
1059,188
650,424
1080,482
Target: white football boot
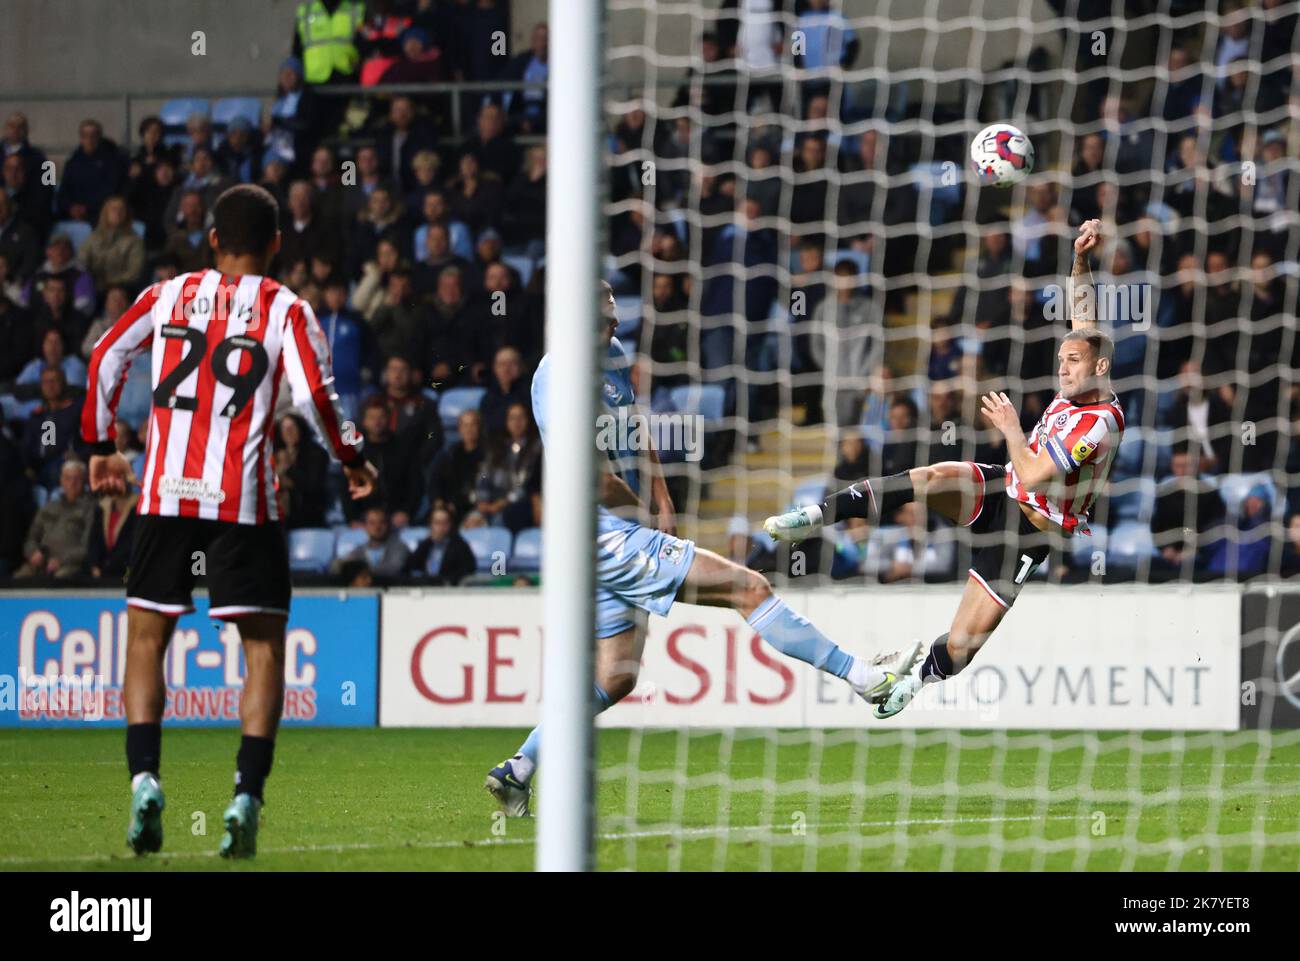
896,668
795,525
899,696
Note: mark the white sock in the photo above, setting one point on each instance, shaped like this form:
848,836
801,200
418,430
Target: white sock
135,781
523,767
814,512
863,675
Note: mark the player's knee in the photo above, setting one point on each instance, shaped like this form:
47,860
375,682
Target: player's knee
619,686
922,478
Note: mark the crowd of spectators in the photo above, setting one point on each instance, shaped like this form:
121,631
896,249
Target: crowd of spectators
421,247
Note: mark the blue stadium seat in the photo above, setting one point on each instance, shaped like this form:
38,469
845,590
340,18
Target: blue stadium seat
628,309
411,536
485,542
1128,543
1233,488
809,492
76,230
13,409
455,401
41,495
311,549
1082,548
1128,459
458,236
944,198
139,227
707,400
175,113
228,108
348,539
523,266
527,554
1131,500
430,393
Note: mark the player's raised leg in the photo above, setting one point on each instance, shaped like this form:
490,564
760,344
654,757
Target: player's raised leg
259,714
715,581
144,694
618,664
978,615
954,489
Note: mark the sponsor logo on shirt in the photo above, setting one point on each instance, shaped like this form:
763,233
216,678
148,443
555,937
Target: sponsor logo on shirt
1083,449
191,489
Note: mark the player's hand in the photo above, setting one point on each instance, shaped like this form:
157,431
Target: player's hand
997,407
1089,236
110,474
361,479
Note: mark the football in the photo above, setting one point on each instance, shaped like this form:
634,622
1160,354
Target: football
1002,155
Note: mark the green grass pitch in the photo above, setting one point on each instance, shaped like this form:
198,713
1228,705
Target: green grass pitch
748,800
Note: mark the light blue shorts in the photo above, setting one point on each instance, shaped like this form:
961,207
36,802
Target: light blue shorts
635,567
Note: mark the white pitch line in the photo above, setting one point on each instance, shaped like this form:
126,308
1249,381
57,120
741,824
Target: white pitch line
781,829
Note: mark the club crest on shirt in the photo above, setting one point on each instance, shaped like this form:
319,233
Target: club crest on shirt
671,552
1062,420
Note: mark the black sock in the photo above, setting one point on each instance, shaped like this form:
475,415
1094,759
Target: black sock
143,748
873,498
938,663
253,764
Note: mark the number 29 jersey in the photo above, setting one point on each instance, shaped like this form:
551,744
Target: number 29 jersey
220,346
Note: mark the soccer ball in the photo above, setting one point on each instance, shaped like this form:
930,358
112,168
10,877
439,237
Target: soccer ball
1002,155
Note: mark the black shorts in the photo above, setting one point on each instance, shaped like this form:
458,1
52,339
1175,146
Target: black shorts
246,565
1006,548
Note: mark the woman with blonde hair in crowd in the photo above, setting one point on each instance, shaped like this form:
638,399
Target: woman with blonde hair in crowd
114,253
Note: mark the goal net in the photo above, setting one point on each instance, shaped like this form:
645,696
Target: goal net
806,269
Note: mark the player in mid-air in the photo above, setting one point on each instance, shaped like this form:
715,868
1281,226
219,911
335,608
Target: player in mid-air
640,567
1051,482
221,342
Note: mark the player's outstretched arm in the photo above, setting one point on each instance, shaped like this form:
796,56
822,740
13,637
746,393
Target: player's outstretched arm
1083,297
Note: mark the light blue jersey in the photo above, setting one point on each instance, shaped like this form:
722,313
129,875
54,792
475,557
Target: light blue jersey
635,565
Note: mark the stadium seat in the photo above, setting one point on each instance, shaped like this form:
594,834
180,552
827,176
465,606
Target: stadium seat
139,227
175,113
455,401
411,536
527,555
40,495
1128,543
228,108
486,542
311,549
13,409
707,400
1132,500
458,236
523,266
1128,459
76,231
944,198
430,393
1082,548
809,492
1233,488
348,539
629,315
